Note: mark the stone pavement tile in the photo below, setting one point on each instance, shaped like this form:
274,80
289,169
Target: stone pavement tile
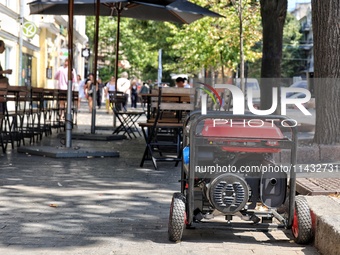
106,206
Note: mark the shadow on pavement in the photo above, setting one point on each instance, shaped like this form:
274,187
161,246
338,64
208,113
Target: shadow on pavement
56,204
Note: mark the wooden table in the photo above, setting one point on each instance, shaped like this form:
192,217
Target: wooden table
171,96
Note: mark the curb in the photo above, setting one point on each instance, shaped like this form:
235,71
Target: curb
312,154
326,223
306,127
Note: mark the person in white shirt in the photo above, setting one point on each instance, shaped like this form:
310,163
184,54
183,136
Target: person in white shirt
62,77
110,86
79,86
123,85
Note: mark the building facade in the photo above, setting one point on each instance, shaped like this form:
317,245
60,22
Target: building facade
36,45
303,13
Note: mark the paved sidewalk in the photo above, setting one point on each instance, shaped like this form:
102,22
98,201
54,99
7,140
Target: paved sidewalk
108,206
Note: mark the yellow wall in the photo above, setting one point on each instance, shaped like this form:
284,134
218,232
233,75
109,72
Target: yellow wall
42,58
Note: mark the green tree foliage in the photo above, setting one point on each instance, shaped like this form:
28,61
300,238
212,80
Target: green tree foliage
292,59
106,44
208,43
212,42
139,44
154,34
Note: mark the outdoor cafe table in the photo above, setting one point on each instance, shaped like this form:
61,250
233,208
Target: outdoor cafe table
128,122
127,117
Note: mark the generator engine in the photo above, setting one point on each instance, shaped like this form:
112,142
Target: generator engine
228,193
235,174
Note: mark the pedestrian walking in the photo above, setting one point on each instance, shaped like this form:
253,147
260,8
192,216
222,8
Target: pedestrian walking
3,79
145,89
81,94
110,86
62,78
134,94
90,87
99,95
123,85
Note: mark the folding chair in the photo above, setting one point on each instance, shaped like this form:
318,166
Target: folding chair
3,117
127,118
35,121
163,134
20,95
48,110
74,107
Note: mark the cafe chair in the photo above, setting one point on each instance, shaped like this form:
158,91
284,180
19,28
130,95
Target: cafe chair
4,133
163,133
127,117
34,125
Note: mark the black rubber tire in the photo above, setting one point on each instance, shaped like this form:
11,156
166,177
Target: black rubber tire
302,222
177,217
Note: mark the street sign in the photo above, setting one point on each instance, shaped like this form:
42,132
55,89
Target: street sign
63,54
85,53
29,29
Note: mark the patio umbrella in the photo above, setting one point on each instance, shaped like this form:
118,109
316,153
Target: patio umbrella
179,11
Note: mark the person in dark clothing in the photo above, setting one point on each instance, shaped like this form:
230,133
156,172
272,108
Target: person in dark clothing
99,92
3,78
89,88
144,90
134,94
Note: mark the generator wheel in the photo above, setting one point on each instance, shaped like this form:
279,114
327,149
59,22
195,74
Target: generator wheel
177,217
302,222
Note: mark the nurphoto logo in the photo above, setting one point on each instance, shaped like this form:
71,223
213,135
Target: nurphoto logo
239,105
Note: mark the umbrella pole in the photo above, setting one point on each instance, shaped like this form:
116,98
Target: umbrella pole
117,45
94,98
70,67
117,56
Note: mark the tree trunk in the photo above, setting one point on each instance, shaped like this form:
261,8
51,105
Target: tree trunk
273,13
326,34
